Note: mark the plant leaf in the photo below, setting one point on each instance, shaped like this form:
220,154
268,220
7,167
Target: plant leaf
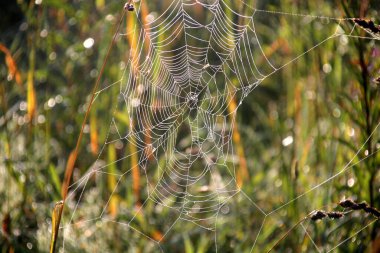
11,64
56,219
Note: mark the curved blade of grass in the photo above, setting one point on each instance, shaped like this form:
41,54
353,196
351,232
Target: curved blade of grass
94,136
31,92
74,154
11,64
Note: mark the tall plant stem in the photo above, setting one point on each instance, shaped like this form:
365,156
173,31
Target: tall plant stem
74,154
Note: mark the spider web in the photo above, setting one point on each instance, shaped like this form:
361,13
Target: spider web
189,67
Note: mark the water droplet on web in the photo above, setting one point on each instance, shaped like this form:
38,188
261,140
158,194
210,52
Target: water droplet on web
246,90
192,100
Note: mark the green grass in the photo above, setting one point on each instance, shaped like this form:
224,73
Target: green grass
326,101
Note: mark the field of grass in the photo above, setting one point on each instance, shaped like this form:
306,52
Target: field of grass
274,147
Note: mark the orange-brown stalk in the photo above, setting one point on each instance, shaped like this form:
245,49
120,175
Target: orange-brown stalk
74,154
242,173
132,40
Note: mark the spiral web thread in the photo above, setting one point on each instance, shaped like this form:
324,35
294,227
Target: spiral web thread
182,73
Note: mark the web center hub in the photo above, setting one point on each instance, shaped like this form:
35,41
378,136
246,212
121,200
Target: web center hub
192,100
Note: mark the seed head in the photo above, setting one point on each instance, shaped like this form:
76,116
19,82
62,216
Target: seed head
318,215
348,203
129,6
335,215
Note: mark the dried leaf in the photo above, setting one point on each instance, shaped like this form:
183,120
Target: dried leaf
94,134
157,235
111,181
31,92
132,40
31,95
242,173
68,172
135,172
11,64
56,219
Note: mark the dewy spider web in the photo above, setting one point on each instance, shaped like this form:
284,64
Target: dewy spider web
185,77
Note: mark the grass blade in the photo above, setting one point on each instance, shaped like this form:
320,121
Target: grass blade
56,219
11,64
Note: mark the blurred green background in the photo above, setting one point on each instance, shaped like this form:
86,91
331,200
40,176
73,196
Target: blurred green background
301,126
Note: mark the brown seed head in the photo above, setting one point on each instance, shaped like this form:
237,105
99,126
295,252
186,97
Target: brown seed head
335,215
348,203
318,215
373,211
368,25
129,7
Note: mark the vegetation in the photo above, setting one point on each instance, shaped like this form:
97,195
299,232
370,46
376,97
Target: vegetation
313,120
